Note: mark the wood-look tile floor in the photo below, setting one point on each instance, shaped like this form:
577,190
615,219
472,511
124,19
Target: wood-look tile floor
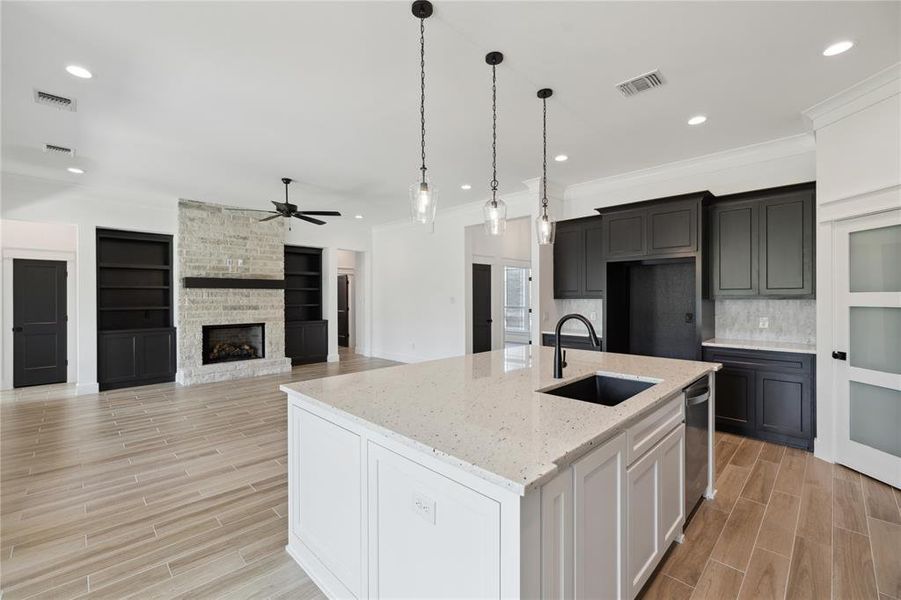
150,492
168,492
786,525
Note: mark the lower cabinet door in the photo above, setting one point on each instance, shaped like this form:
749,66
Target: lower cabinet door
599,481
429,533
643,519
784,404
672,485
325,494
735,401
157,352
557,536
118,357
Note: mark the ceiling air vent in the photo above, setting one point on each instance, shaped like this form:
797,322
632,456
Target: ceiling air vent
630,87
54,149
48,99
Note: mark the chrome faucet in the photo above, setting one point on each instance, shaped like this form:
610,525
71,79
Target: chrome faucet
560,356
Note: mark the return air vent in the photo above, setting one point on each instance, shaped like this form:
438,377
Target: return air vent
54,149
48,99
630,87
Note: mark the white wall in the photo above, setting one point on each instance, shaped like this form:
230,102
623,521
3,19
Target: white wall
858,138
419,281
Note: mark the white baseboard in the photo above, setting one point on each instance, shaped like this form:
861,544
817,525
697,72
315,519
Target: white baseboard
87,388
398,357
332,358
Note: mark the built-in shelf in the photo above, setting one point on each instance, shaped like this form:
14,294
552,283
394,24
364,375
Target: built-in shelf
306,305
303,272
135,337
306,334
234,283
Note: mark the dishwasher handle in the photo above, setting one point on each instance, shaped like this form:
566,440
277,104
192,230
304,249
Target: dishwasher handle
697,399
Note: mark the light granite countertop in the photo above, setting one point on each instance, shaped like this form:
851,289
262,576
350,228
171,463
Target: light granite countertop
482,412
761,345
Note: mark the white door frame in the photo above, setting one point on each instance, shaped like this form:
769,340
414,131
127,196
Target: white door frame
876,463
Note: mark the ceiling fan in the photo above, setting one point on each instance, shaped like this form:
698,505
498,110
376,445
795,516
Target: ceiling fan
288,210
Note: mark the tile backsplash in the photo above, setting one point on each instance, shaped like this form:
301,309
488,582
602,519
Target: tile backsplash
582,307
789,320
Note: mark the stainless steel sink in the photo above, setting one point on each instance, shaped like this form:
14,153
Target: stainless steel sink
601,389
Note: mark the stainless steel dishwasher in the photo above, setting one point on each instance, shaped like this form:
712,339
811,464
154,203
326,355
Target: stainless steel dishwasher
697,400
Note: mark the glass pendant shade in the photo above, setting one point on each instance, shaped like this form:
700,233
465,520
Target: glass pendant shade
423,202
545,228
495,212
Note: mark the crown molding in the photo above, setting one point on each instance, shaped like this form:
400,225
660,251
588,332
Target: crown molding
736,157
882,85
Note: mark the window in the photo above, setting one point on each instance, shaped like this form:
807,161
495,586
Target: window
516,299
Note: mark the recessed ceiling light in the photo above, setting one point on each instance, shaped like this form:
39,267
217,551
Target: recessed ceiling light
697,120
358,216
79,72
465,186
561,158
838,48
75,170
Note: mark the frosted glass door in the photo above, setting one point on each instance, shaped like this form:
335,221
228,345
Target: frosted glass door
868,328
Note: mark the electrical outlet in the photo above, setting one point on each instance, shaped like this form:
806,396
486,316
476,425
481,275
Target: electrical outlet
592,316
764,323
424,507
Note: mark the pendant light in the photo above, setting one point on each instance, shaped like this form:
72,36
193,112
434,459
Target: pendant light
495,210
544,227
423,195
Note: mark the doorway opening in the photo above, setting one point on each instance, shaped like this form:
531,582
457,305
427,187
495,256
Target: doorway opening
39,322
498,287
348,297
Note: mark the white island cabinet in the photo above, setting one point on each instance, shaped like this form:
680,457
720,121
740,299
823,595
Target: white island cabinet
375,512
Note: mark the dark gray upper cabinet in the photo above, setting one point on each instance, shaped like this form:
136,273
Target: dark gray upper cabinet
733,230
595,278
762,243
786,245
624,234
673,228
568,261
579,267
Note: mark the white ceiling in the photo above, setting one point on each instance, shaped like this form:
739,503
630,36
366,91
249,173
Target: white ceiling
216,101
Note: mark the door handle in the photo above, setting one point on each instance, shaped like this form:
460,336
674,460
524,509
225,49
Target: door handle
839,355
17,329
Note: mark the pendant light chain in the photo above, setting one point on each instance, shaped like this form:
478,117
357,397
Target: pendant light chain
422,91
544,157
494,133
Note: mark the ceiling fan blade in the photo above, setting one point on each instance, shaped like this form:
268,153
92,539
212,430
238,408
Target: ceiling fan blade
275,216
308,219
321,213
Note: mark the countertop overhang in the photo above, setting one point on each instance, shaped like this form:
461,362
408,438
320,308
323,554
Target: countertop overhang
483,413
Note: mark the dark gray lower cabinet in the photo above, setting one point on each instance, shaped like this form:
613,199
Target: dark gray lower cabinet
306,341
576,342
135,357
767,395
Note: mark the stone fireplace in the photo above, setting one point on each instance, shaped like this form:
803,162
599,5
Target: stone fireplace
226,343
218,243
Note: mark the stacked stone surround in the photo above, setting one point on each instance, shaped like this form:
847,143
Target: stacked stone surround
209,236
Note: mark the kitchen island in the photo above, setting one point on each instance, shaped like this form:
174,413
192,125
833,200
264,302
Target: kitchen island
462,478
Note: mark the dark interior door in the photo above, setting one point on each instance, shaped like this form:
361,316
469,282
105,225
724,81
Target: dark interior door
39,322
343,313
481,308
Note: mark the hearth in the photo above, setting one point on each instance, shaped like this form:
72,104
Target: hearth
225,343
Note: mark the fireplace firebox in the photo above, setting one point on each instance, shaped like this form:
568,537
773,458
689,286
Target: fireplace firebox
224,343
